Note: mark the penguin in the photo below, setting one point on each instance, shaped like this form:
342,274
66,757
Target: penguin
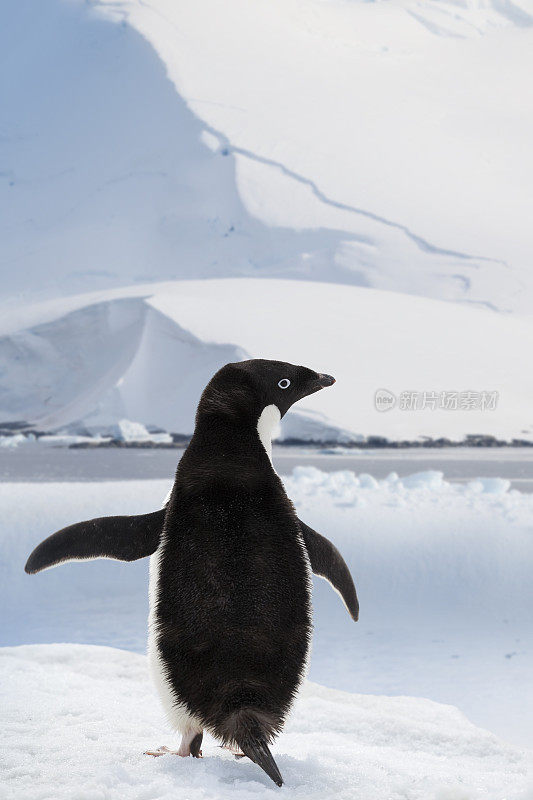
229,627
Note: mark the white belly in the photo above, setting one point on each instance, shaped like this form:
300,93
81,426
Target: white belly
175,709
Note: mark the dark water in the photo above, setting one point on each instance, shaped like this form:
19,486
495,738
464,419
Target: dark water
39,462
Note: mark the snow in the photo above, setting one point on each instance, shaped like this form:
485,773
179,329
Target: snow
128,431
78,718
395,109
376,144
144,353
443,574
344,167
12,441
332,171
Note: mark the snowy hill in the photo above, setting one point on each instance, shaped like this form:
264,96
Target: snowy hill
145,353
377,144
373,118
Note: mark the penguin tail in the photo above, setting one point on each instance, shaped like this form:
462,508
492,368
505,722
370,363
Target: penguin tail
258,751
247,728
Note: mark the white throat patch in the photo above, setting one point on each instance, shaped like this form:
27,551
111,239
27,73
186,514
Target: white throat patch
266,424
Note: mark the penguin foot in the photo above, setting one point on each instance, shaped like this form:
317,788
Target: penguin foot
190,745
161,751
195,746
165,751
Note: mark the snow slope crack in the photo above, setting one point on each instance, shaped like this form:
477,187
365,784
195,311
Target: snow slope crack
419,241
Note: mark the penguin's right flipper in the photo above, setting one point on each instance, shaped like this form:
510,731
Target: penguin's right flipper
120,538
327,562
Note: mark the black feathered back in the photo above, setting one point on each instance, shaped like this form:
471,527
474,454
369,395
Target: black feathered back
233,606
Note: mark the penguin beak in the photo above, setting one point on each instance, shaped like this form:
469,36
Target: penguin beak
318,383
325,380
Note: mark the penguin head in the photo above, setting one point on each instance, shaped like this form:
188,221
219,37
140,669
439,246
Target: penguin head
244,389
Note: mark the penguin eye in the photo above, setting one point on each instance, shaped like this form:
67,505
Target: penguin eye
284,383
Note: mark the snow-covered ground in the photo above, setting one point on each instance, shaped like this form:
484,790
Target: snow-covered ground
78,718
144,353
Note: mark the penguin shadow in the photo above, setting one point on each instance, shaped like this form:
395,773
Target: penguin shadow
221,766
299,774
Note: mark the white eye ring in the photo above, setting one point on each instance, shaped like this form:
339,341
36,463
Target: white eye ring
284,383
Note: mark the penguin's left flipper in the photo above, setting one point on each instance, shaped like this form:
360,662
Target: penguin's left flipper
120,538
327,562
